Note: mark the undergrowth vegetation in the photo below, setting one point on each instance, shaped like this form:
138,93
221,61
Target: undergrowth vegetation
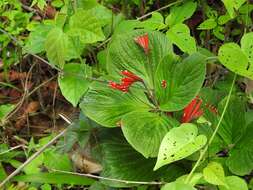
126,94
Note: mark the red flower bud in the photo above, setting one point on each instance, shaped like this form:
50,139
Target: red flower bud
164,83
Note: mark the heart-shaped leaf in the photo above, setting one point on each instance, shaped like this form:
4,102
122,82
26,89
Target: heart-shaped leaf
179,143
181,37
74,82
56,51
183,81
214,174
149,127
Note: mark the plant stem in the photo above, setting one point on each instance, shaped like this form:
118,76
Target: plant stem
202,153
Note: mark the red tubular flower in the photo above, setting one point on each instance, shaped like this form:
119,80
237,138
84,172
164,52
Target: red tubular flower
126,82
143,41
120,87
131,75
192,111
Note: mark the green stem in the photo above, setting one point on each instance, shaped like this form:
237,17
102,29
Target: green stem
214,133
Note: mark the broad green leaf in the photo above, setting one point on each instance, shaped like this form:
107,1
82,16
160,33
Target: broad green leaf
179,143
184,80
155,22
180,36
5,110
75,48
55,178
74,82
232,5
234,183
229,130
148,126
103,14
179,13
214,174
107,106
232,57
240,160
208,24
86,26
36,40
56,46
121,161
177,186
125,54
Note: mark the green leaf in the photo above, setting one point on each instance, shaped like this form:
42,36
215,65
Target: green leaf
234,183
214,174
150,127
195,179
208,24
179,143
125,54
121,161
36,40
177,186
240,160
155,22
232,57
55,178
74,82
184,81
86,26
179,13
232,5
107,106
180,35
63,162
56,46
5,110
229,130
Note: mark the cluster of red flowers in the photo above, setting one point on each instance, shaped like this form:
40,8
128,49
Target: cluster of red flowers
126,82
194,110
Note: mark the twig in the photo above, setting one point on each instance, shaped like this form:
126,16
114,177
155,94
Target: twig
160,9
13,148
111,179
35,155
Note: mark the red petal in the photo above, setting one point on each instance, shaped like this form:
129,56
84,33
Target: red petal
131,75
143,41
